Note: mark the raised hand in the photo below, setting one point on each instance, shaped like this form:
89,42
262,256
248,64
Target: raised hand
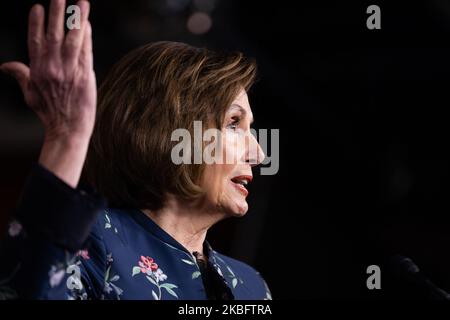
60,86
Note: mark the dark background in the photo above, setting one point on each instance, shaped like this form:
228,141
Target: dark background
364,160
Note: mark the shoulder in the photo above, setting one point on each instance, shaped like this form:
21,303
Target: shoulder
110,220
108,229
112,226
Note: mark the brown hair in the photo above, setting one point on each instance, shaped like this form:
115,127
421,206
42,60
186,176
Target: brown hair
150,92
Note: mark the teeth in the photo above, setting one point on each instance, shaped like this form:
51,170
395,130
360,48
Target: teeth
243,182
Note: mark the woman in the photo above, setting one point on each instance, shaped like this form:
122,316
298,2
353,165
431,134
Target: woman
150,242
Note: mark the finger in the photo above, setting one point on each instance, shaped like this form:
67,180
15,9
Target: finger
36,36
20,72
86,55
55,29
75,37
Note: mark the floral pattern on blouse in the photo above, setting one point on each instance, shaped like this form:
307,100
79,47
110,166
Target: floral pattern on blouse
149,268
110,278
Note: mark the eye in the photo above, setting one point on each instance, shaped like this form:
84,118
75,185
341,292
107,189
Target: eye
234,123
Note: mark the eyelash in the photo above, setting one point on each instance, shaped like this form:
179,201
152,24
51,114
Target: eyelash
233,125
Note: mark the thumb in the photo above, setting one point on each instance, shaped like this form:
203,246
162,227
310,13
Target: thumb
19,71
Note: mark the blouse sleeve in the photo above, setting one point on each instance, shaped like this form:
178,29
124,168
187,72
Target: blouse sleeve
40,254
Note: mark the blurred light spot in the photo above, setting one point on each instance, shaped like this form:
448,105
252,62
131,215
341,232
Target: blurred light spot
199,23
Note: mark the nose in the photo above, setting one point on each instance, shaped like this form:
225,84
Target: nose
254,153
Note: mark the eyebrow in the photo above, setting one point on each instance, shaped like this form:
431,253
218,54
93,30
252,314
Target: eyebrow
241,109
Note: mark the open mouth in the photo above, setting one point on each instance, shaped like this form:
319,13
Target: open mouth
240,183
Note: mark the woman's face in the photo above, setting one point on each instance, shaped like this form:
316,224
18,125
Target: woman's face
226,183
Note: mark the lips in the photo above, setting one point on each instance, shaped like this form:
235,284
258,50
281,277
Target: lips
240,183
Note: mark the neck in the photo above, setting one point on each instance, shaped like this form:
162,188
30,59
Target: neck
185,224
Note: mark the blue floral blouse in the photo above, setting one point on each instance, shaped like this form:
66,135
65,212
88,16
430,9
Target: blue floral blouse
64,243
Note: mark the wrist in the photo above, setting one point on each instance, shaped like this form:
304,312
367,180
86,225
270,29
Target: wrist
65,156
65,141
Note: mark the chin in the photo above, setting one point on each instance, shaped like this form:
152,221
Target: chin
239,209
232,205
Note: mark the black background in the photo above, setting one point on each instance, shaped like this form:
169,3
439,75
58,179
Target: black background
364,160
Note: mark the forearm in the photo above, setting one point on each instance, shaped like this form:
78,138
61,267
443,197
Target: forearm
65,157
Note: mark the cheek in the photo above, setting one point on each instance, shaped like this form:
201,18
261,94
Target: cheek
216,183
233,147
214,178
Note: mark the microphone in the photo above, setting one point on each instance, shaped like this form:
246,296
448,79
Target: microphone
404,268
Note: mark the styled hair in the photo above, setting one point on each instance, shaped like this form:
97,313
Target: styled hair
150,92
